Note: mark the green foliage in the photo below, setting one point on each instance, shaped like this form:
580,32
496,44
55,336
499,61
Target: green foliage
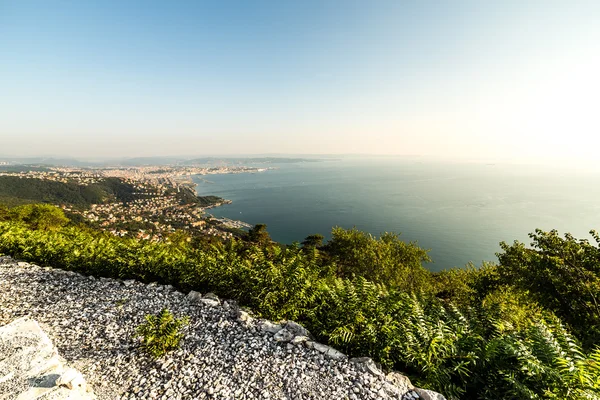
38,216
258,234
463,286
4,213
387,260
562,274
161,333
469,334
313,241
24,190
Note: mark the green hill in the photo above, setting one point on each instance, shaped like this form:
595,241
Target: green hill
16,190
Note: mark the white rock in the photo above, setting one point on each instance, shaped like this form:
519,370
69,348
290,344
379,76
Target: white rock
211,296
194,296
283,335
329,351
268,326
335,354
429,394
320,347
400,381
367,364
218,353
31,367
244,316
71,379
209,302
299,340
297,329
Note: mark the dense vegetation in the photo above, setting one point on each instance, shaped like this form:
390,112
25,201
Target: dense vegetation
525,328
24,190
15,190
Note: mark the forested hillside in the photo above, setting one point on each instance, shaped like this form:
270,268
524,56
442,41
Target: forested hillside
525,328
17,190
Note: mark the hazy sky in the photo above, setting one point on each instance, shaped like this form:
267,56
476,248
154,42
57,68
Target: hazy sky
463,79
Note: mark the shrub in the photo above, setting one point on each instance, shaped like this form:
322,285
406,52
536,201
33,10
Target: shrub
161,333
386,260
481,337
39,216
561,274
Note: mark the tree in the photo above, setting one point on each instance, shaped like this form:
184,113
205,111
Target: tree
258,234
562,274
313,241
387,260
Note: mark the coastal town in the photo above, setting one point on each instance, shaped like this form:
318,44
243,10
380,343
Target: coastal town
159,200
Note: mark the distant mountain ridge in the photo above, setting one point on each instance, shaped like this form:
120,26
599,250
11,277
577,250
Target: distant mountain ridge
148,161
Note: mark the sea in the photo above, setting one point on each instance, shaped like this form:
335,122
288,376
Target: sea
461,211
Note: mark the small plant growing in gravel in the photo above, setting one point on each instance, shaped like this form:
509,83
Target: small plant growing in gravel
161,333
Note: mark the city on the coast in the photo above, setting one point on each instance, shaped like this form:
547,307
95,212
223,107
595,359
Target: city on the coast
163,199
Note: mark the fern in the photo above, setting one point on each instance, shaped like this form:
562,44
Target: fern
161,333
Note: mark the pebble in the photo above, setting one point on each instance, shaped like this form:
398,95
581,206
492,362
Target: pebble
92,322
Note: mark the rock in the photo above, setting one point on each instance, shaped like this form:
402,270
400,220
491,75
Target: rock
283,335
329,351
218,358
322,348
194,296
129,282
367,365
268,326
400,381
244,316
297,329
71,379
209,302
335,354
429,394
297,340
22,264
211,296
30,367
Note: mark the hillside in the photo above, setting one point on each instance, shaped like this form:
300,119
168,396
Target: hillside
16,190
523,328
226,354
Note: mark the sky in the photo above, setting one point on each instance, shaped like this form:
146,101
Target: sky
505,80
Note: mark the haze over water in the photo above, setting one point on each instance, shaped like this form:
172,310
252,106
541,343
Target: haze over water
460,211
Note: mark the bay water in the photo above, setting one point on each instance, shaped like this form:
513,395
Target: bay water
461,211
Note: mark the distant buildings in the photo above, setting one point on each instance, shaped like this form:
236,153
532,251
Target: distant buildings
156,211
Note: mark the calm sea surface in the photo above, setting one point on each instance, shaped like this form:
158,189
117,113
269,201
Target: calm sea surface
459,211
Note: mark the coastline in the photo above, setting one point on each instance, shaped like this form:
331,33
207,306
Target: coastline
188,181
